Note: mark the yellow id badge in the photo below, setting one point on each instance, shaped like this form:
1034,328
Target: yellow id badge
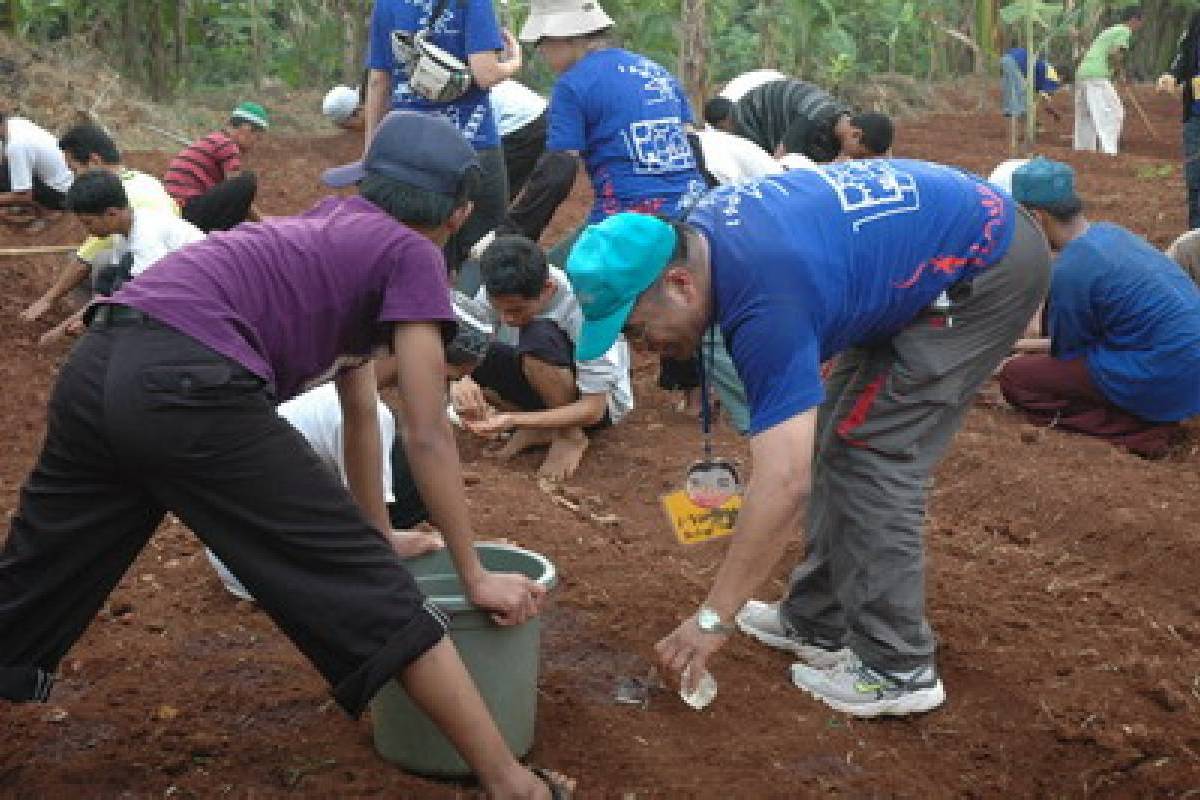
1196,87
694,524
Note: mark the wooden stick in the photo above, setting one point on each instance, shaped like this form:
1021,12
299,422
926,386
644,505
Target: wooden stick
1142,113
40,250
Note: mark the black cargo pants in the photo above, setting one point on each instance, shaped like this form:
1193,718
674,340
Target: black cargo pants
144,420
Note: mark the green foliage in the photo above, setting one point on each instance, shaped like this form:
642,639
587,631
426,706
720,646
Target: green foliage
305,42
1155,172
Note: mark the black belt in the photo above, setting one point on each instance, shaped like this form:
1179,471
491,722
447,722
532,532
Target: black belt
108,314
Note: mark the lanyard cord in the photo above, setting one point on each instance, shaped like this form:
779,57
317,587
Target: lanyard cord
707,357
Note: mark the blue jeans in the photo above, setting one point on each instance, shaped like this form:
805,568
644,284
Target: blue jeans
1191,169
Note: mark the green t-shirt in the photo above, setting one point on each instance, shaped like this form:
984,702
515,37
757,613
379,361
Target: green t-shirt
1095,60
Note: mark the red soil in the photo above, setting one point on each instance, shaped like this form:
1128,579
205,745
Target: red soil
1062,582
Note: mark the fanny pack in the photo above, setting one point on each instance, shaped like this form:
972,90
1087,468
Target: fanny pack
433,73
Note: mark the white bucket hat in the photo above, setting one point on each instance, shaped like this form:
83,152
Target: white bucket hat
340,103
564,18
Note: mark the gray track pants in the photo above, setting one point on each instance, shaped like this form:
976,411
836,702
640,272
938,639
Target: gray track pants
890,411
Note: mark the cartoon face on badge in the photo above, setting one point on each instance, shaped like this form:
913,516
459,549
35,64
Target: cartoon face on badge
711,483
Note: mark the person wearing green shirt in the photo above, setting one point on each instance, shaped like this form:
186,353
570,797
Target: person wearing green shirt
1099,113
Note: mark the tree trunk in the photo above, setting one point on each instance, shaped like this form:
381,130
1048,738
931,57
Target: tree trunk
355,17
985,34
156,34
1155,42
767,22
131,40
693,52
182,11
256,53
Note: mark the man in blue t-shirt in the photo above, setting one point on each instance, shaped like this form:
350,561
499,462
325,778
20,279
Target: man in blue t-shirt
620,113
919,278
468,31
1014,72
1123,361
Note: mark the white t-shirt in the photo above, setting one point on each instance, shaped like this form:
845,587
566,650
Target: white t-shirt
317,414
152,235
736,89
32,151
515,105
732,158
607,375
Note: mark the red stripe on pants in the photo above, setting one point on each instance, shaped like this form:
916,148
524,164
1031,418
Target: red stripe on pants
858,414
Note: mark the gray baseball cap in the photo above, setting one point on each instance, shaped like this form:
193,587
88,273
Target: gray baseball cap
422,150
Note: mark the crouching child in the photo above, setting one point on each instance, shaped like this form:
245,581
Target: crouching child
135,238
539,390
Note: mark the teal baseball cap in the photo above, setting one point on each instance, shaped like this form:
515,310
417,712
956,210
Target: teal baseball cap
1043,182
611,264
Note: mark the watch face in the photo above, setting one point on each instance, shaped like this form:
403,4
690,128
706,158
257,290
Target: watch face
711,483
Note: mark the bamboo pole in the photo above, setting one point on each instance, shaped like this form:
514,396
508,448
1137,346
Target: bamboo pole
1031,95
38,250
1137,104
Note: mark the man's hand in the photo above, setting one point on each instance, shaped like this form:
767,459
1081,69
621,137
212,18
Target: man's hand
1166,83
35,310
688,647
511,598
491,426
468,399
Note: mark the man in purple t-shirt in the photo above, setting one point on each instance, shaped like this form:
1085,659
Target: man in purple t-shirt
167,403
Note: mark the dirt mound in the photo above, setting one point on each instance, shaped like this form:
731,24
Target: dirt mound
69,81
897,95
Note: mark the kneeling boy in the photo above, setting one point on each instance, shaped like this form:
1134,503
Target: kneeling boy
133,237
532,367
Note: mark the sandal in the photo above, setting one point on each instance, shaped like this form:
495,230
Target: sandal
557,790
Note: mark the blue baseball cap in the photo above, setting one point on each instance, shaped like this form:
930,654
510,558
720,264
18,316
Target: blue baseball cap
611,264
422,150
1043,182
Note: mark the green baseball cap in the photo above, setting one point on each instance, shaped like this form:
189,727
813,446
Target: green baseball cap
252,113
1043,182
611,264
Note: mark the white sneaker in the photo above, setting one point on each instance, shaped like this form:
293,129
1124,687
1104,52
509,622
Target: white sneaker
858,690
761,621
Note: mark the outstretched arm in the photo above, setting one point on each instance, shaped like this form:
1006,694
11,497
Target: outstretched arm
433,455
772,514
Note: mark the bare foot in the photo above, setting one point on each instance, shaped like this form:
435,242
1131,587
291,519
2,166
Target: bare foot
410,544
524,439
566,451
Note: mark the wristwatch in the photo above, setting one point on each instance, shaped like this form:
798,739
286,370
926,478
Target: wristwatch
709,621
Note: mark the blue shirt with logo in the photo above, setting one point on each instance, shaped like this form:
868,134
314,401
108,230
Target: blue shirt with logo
625,115
1135,316
1041,80
814,261
464,28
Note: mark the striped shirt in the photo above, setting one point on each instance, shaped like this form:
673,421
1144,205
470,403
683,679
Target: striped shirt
796,114
202,165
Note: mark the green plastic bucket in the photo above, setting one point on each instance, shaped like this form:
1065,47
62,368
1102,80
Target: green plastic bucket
503,661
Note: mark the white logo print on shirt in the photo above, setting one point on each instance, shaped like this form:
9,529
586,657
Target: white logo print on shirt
874,187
